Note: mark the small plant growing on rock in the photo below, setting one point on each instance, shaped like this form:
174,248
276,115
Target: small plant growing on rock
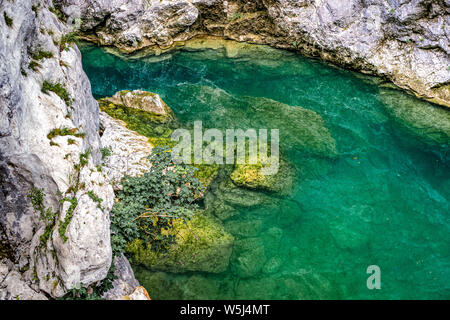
39,55
34,66
65,132
58,89
67,39
106,152
236,16
57,12
95,198
47,215
8,20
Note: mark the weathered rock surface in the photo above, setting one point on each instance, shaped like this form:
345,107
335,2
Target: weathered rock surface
201,245
405,41
125,287
13,286
129,150
28,158
141,100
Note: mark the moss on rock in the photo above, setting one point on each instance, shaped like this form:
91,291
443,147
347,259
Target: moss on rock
250,176
145,101
202,244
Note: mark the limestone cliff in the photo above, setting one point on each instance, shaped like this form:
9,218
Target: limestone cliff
49,140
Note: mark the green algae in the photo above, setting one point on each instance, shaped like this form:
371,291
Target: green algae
201,245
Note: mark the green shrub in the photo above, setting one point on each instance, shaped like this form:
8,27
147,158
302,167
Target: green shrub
148,205
8,20
58,89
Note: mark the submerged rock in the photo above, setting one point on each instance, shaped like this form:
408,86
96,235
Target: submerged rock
301,128
143,100
248,257
201,245
429,122
250,176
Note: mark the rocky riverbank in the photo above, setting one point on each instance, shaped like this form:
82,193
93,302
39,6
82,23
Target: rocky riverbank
403,41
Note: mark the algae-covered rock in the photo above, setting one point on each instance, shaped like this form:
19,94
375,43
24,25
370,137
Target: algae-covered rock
244,228
143,100
300,128
201,245
429,122
139,110
250,176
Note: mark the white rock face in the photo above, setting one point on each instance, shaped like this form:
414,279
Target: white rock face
130,151
28,158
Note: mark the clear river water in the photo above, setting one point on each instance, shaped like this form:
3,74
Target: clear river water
378,196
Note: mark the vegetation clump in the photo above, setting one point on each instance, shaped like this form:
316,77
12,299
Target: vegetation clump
34,65
57,12
95,198
8,20
65,132
47,215
41,54
58,89
67,39
106,152
149,205
69,214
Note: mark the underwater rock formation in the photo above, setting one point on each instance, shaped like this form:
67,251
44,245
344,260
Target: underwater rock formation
430,124
201,245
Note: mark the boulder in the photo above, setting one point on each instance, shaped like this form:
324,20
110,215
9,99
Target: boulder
143,100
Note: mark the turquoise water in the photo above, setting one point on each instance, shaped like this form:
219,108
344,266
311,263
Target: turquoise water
380,198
